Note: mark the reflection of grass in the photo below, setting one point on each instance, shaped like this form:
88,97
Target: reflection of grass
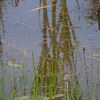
17,82
52,86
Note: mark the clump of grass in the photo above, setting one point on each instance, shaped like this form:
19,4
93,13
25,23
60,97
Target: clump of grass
50,85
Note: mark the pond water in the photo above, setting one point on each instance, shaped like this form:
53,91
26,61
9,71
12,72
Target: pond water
67,29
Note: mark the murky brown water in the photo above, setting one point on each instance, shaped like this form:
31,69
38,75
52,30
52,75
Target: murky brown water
66,30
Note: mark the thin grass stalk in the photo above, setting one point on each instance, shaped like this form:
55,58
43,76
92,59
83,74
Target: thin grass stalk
2,81
93,83
35,84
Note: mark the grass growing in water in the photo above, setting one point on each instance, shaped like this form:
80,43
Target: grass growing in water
50,85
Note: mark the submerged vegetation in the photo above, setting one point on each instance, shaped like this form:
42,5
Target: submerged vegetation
62,73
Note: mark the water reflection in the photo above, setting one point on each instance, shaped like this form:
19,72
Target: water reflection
1,19
15,2
99,15
57,55
1,27
57,67
11,80
1,54
95,11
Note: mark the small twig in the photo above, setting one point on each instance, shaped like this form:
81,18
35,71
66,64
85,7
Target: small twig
43,7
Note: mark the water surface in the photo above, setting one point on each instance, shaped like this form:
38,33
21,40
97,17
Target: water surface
67,30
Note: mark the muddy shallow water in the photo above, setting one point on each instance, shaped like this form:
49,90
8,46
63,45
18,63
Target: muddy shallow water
74,36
